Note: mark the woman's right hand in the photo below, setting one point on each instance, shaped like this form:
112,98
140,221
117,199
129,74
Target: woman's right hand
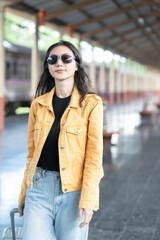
20,209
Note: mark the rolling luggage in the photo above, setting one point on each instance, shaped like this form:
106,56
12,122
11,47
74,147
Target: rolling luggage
12,233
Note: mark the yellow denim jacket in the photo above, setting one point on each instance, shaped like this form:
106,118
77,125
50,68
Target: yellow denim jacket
80,144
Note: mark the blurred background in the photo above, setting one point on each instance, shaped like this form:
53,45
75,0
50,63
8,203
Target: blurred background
119,41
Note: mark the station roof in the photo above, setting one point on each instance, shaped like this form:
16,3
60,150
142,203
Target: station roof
130,28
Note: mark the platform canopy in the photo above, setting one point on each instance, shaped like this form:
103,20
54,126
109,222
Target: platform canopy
130,28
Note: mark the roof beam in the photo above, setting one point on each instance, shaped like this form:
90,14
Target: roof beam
145,21
128,41
142,30
110,27
139,49
156,13
137,56
139,15
151,60
70,8
143,60
154,3
128,32
132,48
135,49
108,15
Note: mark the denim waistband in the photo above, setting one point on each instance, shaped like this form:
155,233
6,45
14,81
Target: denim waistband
41,170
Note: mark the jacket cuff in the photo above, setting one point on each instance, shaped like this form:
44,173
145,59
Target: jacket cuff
89,204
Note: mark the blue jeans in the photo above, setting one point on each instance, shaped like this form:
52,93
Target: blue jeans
50,214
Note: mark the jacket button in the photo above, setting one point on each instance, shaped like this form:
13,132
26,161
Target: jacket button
65,189
63,168
62,124
62,147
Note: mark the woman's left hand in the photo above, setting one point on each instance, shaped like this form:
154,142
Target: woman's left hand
88,216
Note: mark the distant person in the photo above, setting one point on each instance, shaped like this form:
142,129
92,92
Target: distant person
60,189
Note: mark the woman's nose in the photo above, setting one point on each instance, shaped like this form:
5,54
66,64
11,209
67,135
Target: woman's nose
59,61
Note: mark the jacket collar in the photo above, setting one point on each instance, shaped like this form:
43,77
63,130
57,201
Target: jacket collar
46,99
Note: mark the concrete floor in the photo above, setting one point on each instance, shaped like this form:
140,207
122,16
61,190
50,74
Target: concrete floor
129,191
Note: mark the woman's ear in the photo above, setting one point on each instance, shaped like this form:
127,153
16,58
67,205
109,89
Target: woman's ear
76,67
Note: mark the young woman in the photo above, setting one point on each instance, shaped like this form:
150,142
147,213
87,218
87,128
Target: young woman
60,189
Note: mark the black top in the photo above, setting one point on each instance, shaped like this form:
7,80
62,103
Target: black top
49,159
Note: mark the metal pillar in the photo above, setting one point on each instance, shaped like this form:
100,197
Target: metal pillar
124,85
102,79
35,60
92,74
111,84
118,86
2,69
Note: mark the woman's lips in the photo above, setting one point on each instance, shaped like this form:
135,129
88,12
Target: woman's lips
60,71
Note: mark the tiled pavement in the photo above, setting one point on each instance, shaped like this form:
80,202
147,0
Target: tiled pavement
129,191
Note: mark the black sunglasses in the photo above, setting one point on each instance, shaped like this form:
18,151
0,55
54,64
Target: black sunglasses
64,57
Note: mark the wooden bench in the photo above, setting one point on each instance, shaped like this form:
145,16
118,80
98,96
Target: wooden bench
147,113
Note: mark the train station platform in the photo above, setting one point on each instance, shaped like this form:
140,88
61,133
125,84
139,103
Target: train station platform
129,190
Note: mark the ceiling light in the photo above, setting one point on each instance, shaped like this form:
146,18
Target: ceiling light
140,20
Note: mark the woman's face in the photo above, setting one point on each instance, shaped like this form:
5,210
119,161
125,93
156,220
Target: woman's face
60,70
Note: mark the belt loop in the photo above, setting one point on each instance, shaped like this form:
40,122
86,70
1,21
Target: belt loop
42,173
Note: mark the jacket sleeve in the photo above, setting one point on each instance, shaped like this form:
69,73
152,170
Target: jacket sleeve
93,170
30,148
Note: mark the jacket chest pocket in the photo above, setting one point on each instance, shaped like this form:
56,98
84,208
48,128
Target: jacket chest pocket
76,137
79,131
37,132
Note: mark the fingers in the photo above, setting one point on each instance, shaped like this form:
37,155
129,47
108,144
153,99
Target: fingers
80,214
88,217
20,209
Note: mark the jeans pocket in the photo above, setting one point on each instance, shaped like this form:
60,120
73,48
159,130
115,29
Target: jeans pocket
37,177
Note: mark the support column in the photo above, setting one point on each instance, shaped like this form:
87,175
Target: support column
133,87
130,87
148,87
102,79
111,84
35,60
118,87
136,85
143,87
2,69
92,75
124,86
157,82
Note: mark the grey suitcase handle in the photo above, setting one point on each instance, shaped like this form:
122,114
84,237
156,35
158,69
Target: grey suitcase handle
12,213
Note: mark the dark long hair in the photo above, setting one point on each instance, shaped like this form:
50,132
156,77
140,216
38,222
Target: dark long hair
81,80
